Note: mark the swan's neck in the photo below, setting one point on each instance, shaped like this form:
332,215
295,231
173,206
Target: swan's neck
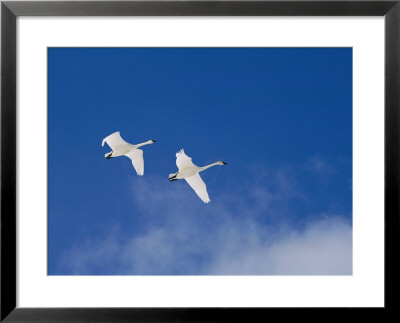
144,143
208,166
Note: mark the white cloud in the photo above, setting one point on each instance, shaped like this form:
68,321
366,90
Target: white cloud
226,237
322,248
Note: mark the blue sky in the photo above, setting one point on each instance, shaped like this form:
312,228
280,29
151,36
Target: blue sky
280,117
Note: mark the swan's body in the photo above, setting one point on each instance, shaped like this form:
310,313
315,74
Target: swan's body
121,148
190,172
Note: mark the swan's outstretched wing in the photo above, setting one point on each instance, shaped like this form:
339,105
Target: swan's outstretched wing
199,187
114,141
183,160
136,155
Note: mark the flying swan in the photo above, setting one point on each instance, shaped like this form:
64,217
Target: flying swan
121,148
190,172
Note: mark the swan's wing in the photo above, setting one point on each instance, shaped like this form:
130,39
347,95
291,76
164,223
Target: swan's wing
183,160
114,141
136,155
199,187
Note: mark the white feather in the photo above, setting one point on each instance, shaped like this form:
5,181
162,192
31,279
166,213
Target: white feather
199,187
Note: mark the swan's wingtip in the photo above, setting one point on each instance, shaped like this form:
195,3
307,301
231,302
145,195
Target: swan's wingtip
114,133
180,152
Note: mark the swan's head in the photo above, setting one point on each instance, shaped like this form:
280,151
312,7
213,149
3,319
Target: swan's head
108,155
221,163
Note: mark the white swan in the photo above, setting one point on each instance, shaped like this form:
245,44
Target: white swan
190,172
121,148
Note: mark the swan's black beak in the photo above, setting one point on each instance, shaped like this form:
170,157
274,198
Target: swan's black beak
173,178
224,163
108,156
153,141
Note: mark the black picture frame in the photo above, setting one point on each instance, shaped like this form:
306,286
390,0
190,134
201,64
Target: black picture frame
10,10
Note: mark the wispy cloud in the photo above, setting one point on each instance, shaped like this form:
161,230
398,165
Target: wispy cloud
230,236
322,248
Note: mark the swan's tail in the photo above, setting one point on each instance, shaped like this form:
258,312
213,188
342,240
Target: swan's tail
172,177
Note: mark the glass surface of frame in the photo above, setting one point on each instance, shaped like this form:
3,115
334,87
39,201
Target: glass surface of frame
8,132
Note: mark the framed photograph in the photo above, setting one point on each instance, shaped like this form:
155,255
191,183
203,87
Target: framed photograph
198,160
